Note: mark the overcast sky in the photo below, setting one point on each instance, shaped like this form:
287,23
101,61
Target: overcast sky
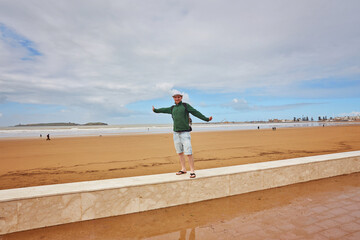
110,61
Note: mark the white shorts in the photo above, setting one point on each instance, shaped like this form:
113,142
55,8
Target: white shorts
182,142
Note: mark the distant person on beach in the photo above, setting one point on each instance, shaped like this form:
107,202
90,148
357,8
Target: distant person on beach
48,137
182,139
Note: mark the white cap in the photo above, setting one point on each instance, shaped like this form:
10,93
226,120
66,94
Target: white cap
176,92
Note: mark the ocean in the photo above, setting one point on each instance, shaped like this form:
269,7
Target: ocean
107,130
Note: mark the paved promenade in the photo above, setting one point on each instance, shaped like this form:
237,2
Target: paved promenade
322,209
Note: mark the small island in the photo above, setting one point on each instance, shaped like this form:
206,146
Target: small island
60,124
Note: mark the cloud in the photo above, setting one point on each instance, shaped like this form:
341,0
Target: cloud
18,43
243,105
2,98
106,55
1,115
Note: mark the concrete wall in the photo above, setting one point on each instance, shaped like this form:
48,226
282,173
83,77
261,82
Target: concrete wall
36,207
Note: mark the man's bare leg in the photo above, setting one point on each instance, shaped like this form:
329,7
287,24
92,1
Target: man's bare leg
191,163
182,161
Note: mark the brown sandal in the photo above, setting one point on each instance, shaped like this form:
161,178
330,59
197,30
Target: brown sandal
192,175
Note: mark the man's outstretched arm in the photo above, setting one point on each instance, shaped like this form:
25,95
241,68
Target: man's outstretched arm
198,114
161,110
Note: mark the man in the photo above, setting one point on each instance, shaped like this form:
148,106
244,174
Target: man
182,139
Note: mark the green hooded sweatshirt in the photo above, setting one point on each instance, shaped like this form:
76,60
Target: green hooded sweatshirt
180,117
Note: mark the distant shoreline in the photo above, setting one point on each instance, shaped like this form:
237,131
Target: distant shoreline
61,124
26,131
69,124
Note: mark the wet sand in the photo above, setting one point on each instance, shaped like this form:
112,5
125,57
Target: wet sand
31,162
322,209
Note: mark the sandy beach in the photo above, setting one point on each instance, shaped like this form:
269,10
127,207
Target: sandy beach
31,162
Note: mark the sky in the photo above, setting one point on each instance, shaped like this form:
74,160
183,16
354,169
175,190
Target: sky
112,60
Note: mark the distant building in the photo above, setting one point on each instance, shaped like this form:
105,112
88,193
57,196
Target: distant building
320,119
347,118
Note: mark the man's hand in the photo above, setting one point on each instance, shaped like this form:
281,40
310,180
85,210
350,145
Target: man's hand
153,108
210,118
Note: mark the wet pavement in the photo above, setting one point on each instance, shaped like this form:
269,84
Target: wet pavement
322,209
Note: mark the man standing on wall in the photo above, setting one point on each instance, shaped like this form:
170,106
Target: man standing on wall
182,139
